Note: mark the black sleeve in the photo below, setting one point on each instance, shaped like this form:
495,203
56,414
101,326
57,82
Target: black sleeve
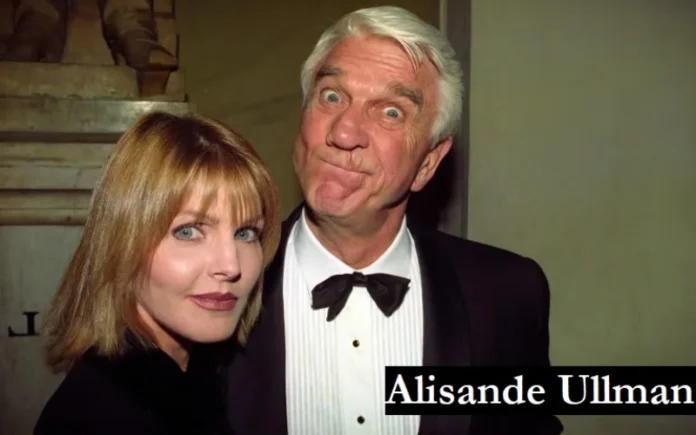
539,342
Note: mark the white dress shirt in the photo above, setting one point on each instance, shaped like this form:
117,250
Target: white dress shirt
335,370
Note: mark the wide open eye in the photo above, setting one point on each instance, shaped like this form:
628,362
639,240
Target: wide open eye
393,112
330,96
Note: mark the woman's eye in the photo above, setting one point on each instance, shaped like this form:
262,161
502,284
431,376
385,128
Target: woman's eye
393,112
187,232
247,234
331,96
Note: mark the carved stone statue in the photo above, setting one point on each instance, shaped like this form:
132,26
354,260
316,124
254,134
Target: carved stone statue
74,74
129,27
39,32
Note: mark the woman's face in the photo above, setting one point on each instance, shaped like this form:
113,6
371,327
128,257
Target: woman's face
202,273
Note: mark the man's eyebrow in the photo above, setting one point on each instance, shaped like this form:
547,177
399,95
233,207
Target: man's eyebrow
415,95
326,71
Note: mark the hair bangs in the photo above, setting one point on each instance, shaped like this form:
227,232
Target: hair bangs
232,175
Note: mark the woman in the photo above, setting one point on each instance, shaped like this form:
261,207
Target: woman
180,228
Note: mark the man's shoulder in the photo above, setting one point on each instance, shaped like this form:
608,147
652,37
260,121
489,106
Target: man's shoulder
494,279
489,266
469,250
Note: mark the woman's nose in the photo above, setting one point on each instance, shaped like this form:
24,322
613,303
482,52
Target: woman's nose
225,262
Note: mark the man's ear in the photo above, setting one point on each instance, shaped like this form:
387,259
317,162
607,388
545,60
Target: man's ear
430,163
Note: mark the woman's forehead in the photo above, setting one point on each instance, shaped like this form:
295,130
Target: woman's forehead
220,200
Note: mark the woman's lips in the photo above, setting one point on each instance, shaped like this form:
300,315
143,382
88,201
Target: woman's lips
215,301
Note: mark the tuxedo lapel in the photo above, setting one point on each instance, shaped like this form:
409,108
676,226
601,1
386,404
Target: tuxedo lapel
257,401
446,339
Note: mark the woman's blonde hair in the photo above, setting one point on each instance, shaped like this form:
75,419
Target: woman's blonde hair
144,184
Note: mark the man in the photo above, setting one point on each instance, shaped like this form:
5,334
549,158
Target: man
382,102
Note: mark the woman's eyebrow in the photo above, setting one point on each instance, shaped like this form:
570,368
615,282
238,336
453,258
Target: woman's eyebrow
198,215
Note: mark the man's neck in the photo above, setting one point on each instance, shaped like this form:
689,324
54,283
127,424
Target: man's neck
357,244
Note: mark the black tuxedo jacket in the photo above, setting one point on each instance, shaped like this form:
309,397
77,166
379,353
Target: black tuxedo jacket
481,306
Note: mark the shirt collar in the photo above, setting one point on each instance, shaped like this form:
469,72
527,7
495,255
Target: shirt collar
317,263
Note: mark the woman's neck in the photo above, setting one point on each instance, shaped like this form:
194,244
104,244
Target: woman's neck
167,342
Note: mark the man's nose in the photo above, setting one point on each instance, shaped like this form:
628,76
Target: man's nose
347,130
224,264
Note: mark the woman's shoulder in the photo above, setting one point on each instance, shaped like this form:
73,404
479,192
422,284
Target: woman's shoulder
91,396
141,391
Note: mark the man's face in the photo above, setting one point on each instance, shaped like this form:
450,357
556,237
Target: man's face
365,135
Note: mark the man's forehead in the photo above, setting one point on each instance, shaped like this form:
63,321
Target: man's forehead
366,46
359,51
403,79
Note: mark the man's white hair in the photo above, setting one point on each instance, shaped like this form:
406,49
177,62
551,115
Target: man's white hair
419,39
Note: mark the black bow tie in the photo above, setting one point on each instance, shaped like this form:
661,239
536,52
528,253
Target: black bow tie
388,291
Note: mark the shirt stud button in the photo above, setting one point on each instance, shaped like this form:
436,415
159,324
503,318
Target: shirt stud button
356,343
361,419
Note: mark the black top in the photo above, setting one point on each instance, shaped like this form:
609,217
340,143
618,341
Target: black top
142,392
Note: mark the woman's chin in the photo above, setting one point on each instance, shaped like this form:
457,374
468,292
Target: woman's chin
211,335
